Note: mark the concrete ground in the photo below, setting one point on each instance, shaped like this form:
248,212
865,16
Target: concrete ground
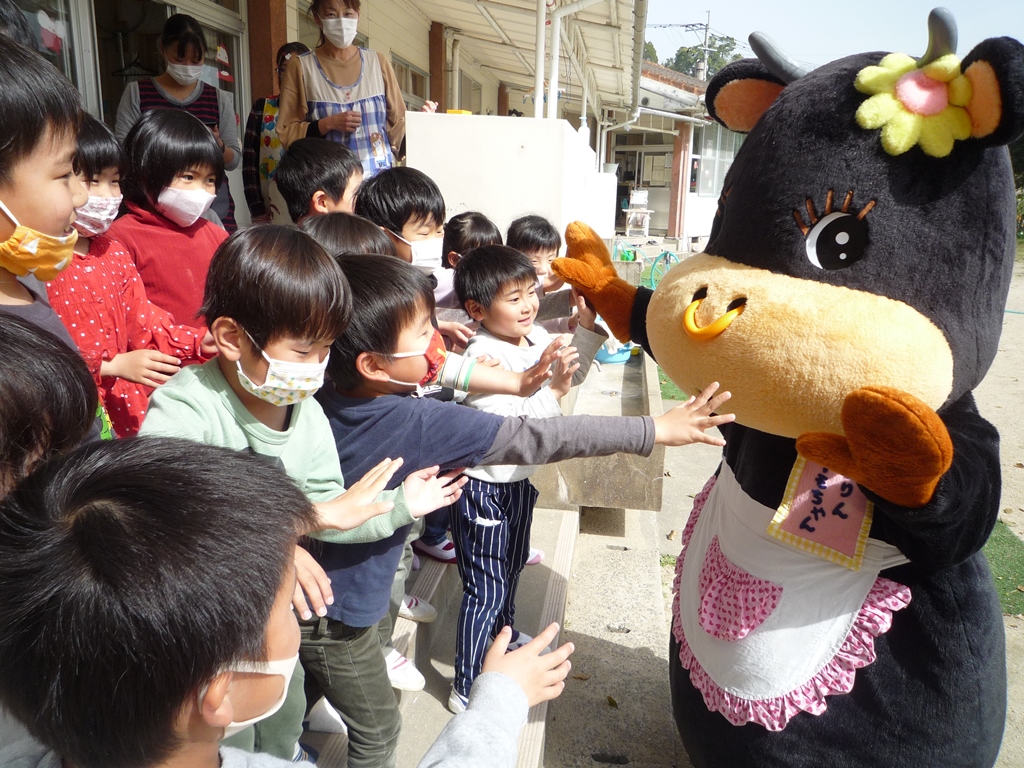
616,709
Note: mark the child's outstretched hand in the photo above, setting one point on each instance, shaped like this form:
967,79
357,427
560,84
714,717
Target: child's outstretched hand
686,423
540,675
533,378
426,490
310,581
585,314
356,505
565,366
143,366
459,334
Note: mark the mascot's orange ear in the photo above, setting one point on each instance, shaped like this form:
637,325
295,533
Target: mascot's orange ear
995,69
742,92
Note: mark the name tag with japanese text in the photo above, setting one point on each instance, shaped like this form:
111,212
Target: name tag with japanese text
823,513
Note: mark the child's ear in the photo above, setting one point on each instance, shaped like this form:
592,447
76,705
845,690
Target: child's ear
318,203
474,310
215,706
227,336
369,368
995,69
454,259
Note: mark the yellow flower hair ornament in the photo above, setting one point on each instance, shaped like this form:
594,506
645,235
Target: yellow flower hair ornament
916,105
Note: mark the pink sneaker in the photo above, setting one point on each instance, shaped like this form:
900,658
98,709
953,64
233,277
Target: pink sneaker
444,552
536,556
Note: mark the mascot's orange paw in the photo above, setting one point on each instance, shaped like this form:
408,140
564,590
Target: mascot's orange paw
895,445
588,268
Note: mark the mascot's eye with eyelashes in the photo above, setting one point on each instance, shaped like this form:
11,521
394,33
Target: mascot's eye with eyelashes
839,238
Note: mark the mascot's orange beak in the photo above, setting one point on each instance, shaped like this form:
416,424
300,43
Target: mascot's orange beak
708,332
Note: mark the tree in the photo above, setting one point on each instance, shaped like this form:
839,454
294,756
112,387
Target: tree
649,53
688,58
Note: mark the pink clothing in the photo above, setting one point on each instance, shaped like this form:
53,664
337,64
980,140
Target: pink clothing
172,260
102,302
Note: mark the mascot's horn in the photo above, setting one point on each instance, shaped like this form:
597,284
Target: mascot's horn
941,36
774,60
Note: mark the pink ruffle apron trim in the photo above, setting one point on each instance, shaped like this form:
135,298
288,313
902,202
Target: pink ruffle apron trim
836,677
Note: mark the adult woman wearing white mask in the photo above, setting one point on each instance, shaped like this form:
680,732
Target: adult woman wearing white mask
343,93
183,47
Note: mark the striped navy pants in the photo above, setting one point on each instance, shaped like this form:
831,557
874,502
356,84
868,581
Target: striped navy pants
491,532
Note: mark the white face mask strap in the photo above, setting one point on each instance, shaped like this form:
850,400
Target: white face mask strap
7,212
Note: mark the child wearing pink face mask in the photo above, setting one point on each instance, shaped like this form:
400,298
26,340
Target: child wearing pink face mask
172,169
129,344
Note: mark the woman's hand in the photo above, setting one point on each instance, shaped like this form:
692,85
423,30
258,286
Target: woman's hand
346,122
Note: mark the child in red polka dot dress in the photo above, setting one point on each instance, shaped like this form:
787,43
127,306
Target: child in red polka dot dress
129,344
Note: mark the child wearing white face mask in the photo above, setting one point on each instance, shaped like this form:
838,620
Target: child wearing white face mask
171,172
129,344
182,45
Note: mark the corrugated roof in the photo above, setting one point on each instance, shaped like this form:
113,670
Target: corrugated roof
500,37
671,77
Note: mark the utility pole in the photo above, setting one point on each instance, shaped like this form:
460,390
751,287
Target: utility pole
702,66
703,75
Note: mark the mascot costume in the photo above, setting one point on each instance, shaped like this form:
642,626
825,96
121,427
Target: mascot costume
833,607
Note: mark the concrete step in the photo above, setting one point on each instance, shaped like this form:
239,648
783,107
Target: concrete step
540,600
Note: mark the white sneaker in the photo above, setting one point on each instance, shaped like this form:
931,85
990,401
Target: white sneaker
403,673
536,556
445,551
414,609
457,703
519,639
324,718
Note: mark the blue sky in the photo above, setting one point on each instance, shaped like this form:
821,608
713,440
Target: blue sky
817,32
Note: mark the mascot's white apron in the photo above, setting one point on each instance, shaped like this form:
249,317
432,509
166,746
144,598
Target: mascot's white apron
768,630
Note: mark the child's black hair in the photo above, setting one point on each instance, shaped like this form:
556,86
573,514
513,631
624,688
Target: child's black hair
131,573
162,144
485,272
276,281
286,51
347,233
467,231
397,196
14,25
47,398
387,295
531,234
37,103
313,165
97,148
183,31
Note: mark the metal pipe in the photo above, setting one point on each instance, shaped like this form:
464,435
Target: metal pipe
673,115
455,77
553,67
639,27
556,46
538,74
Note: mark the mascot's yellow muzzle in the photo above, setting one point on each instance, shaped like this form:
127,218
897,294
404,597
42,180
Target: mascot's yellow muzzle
715,328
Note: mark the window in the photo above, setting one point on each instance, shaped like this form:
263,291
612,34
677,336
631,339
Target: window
413,80
52,26
471,95
714,148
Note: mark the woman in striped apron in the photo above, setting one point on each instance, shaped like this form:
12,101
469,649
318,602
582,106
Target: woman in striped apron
183,46
343,93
